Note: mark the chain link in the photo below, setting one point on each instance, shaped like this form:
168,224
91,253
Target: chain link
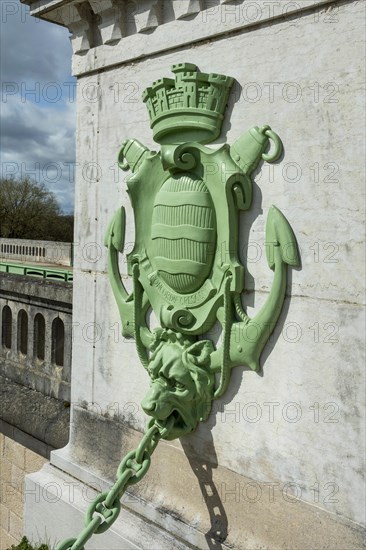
145,444
86,533
115,493
66,544
109,513
105,508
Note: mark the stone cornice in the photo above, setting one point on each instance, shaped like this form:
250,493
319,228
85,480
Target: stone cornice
110,32
37,292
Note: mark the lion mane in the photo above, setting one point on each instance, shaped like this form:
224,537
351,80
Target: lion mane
181,382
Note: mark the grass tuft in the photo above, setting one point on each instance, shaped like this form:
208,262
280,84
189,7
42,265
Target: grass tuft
26,545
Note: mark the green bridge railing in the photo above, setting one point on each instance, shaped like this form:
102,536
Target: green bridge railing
56,274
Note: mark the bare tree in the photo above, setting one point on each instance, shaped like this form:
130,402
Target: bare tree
28,210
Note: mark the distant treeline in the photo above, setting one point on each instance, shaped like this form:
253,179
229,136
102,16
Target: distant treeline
28,210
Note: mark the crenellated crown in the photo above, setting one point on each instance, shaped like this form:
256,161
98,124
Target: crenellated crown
188,108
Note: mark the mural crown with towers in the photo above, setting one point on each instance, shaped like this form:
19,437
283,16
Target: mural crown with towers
188,108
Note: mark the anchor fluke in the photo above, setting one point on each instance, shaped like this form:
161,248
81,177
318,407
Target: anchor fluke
115,233
279,233
119,230
248,338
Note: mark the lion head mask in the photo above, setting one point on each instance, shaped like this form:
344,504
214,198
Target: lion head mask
181,382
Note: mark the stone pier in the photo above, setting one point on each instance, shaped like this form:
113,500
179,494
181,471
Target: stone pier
279,462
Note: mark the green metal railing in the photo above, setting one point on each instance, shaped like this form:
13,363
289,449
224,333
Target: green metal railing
42,272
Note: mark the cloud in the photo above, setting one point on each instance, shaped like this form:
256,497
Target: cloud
40,143
33,49
37,107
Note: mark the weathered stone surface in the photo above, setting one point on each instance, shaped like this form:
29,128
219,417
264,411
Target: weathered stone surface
163,22
298,103
14,453
6,469
110,22
13,498
15,461
57,502
206,495
187,8
16,526
33,461
325,308
26,250
51,300
43,417
147,15
37,291
4,518
6,541
233,509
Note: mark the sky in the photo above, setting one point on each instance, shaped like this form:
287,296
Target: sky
38,107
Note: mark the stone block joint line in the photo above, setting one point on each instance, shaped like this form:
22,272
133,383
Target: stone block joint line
185,264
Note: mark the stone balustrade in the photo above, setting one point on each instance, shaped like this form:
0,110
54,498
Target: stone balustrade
27,250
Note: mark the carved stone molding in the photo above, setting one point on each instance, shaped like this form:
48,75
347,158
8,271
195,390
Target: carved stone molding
148,15
110,19
186,8
79,20
124,30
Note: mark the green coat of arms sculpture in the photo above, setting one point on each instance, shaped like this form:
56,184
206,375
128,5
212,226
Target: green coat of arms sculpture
185,266
186,201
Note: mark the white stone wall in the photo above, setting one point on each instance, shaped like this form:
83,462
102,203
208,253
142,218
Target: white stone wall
299,426
302,421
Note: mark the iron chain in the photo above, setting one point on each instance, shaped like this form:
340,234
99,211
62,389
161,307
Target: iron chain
105,508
